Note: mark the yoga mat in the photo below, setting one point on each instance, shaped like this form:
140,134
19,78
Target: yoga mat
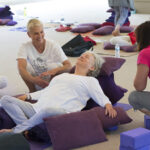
99,49
126,107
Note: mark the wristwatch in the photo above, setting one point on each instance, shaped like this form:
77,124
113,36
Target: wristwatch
28,96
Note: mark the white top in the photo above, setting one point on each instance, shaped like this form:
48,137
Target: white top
52,54
69,92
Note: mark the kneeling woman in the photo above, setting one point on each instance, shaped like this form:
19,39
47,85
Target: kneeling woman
66,93
140,99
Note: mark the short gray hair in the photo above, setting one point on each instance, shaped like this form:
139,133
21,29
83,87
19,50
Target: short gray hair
33,23
97,65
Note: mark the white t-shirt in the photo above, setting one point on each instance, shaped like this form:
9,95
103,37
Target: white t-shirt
52,56
69,92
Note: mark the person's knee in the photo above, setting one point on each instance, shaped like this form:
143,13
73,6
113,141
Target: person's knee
133,97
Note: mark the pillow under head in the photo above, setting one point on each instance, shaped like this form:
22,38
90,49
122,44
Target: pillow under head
111,64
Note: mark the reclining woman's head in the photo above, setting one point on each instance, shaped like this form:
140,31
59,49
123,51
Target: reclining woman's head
90,62
142,33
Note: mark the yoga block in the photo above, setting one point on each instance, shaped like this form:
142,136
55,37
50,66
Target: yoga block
141,148
147,121
135,138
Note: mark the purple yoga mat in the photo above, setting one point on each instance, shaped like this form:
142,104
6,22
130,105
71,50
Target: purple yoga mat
38,145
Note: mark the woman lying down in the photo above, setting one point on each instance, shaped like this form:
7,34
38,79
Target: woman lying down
66,93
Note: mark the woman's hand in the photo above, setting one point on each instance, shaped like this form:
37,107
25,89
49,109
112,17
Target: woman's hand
22,97
40,82
110,111
49,73
5,130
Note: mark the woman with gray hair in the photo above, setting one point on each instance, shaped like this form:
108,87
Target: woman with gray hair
65,94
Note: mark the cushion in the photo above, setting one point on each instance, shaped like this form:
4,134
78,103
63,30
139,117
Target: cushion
103,30
11,23
109,46
110,89
129,48
111,64
5,121
74,130
107,122
95,25
4,21
126,29
39,133
82,29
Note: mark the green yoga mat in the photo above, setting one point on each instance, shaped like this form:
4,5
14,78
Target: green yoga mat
13,141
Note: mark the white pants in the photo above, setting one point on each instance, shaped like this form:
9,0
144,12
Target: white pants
24,115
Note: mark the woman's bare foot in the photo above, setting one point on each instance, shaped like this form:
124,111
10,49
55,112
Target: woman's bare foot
5,130
116,32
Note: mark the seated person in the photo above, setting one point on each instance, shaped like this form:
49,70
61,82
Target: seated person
121,8
127,40
140,99
66,93
39,58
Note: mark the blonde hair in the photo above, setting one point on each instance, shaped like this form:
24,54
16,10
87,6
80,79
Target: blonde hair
97,64
33,23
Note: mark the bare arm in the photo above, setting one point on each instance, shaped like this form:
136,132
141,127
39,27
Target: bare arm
140,80
22,64
66,67
22,97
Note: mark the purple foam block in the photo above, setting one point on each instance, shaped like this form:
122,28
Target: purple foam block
124,106
147,121
135,138
141,148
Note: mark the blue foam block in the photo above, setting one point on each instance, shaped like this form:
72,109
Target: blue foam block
147,121
135,138
112,128
141,148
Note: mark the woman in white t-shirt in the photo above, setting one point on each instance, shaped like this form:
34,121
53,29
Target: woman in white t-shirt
65,94
39,59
